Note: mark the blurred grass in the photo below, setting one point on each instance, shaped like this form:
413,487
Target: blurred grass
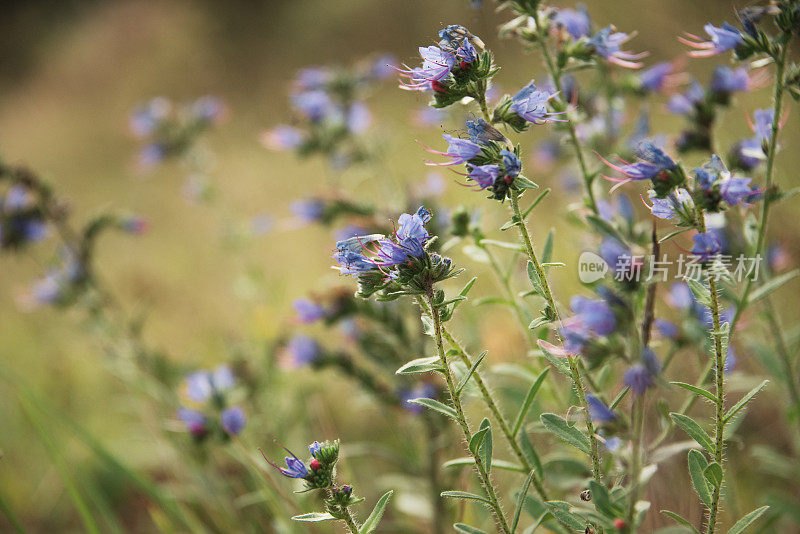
63,112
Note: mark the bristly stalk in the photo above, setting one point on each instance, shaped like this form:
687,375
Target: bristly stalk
719,391
428,306
548,296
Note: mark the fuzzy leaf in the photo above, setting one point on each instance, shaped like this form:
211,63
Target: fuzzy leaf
547,249
562,511
742,524
680,520
521,500
701,292
772,285
469,374
464,495
435,405
481,444
693,429
466,529
713,474
699,391
603,502
529,401
476,254
743,401
313,516
496,464
420,365
697,465
520,182
371,523
533,276
568,433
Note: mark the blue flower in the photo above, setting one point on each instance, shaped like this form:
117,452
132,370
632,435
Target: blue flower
722,39
667,208
511,163
311,78
762,123
728,80
684,104
619,258
308,210
484,175
382,67
641,376
655,78
735,189
316,105
623,207
314,448
598,411
607,43
530,103
146,119
295,468
208,109
233,420
575,21
730,361
666,328
748,153
436,65
458,150
282,137
358,118
201,385
421,391
654,161
308,311
303,350
706,246
596,315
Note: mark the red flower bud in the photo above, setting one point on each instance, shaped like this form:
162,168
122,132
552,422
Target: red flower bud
438,87
315,464
508,179
619,524
464,65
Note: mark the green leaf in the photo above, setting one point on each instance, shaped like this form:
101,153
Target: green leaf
528,401
673,234
476,254
313,516
480,444
464,495
562,511
701,292
437,406
427,326
699,391
535,203
743,401
772,285
467,287
420,365
520,182
742,524
533,276
539,321
604,227
491,300
469,374
559,363
547,249
496,464
529,452
603,502
516,247
713,474
521,500
697,466
371,523
466,529
680,520
693,429
566,432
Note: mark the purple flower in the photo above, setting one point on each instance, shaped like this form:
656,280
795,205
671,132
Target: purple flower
706,246
668,208
382,67
17,198
684,104
308,210
575,21
598,411
666,328
208,109
151,155
728,80
596,315
653,161
195,421
458,150
135,225
511,163
315,104
308,311
607,43
735,189
282,137
530,103
311,78
748,153
641,376
608,211
762,123
655,78
295,468
429,116
730,361
354,263
436,65
201,385
358,118
722,39
233,420
484,175
619,259
146,119
303,350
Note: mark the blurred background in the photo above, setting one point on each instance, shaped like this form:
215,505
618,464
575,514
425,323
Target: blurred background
71,71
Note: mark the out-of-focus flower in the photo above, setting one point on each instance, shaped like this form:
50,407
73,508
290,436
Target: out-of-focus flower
195,421
721,39
598,411
233,420
641,376
308,311
303,350
282,138
458,150
706,246
201,385
666,328
575,21
309,210
607,43
421,391
684,103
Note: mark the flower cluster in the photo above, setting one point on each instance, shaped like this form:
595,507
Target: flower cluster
169,130
319,472
22,220
210,391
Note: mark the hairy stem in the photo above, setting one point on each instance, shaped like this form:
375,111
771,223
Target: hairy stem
548,296
483,474
637,418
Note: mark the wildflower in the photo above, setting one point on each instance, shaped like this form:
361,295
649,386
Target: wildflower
762,124
530,103
382,67
730,361
721,39
747,154
598,411
458,150
308,311
358,118
311,78
151,155
282,137
607,43
655,78
654,161
436,65
201,385
511,163
727,80
208,109
316,105
685,103
676,204
706,246
620,260
623,207
666,328
641,376
484,175
308,210
303,350
233,420
429,116
295,468
146,119
482,133
195,421
591,318
575,21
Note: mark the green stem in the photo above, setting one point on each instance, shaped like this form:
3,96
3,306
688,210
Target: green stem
555,73
348,519
460,417
548,296
505,285
637,418
719,391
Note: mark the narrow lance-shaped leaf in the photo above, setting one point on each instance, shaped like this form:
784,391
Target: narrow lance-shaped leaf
526,406
469,374
681,520
743,401
371,523
313,516
697,466
435,405
464,495
568,433
742,524
481,444
693,429
521,500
